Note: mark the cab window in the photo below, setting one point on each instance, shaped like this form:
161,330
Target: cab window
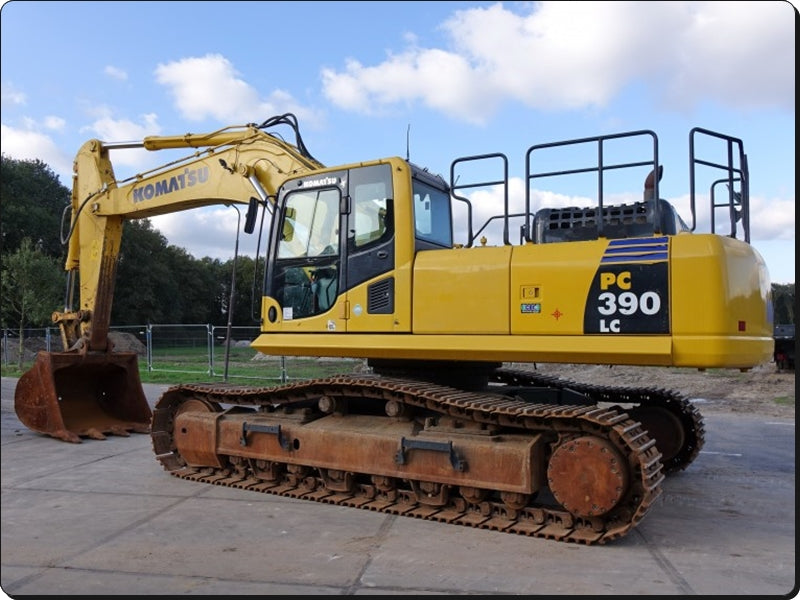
305,278
371,193
310,225
432,220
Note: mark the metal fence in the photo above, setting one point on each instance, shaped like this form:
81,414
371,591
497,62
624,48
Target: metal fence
201,349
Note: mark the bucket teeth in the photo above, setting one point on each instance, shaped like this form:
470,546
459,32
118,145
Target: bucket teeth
65,436
94,434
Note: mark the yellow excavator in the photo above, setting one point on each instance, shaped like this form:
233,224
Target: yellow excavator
379,260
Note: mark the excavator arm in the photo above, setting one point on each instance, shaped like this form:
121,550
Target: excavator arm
234,165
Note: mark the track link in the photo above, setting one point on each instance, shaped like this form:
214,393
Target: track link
541,516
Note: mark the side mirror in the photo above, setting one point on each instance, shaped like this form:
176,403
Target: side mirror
252,213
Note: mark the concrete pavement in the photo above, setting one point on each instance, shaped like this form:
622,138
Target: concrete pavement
102,517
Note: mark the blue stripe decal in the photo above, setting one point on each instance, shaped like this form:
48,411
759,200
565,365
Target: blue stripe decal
653,248
638,241
635,258
636,250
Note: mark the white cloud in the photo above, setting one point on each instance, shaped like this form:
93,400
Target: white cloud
772,218
573,55
441,80
207,231
31,140
210,87
741,54
11,96
111,130
115,73
108,129
28,144
54,123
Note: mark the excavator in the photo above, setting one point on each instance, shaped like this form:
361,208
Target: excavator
451,421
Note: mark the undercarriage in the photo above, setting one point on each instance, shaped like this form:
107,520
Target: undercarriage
530,455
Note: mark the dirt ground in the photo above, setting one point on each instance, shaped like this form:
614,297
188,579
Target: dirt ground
762,390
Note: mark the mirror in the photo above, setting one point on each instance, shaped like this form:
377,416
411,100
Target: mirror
252,213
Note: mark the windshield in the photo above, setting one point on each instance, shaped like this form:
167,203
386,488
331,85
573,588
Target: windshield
311,224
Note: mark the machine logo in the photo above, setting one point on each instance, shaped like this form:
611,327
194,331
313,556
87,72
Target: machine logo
189,178
323,181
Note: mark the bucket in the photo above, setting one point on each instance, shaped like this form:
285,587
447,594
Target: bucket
70,396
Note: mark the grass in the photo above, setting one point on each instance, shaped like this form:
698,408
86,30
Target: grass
259,373
784,400
182,365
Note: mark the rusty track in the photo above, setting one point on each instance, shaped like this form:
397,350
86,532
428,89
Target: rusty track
541,517
690,419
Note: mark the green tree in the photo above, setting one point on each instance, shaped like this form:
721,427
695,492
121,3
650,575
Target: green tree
247,296
145,290
783,303
31,286
160,283
199,284
32,201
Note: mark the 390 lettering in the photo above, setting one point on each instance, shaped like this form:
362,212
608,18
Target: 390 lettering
628,300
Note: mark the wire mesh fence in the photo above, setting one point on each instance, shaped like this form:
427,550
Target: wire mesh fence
200,349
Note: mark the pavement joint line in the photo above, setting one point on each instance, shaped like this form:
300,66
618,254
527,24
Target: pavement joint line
669,569
377,539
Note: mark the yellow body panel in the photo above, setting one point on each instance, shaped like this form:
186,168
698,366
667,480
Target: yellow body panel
625,350
361,321
549,284
461,291
710,292
720,288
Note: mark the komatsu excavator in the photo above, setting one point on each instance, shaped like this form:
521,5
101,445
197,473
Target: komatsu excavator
452,422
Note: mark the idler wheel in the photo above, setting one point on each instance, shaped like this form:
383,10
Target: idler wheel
587,476
664,427
198,405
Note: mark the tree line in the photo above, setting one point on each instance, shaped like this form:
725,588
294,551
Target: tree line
156,282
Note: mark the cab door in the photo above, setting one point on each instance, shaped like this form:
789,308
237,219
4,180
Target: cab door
305,277
370,250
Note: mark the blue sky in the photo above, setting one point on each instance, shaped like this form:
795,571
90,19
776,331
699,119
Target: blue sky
454,78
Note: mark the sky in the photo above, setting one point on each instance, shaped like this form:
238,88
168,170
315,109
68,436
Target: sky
430,80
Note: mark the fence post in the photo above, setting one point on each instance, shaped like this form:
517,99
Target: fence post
210,338
149,344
